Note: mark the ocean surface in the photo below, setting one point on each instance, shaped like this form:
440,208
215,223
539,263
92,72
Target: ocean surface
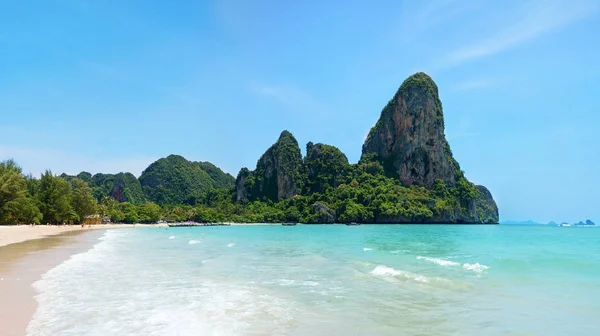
328,280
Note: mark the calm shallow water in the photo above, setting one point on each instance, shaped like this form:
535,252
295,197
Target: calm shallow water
328,280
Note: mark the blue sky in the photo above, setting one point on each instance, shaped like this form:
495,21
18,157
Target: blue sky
109,86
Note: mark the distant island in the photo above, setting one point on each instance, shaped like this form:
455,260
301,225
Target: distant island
406,174
551,223
526,222
580,223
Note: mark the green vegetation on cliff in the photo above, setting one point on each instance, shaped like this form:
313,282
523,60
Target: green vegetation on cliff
123,187
363,194
325,167
278,173
175,180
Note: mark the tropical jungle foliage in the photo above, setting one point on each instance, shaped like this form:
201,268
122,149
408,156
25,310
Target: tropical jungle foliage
331,190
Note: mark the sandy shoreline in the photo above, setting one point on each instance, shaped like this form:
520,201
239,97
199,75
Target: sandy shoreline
12,234
23,263
26,253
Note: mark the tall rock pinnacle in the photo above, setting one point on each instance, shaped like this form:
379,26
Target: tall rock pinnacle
277,174
409,137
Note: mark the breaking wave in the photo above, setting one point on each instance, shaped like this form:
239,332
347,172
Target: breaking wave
476,267
441,262
385,271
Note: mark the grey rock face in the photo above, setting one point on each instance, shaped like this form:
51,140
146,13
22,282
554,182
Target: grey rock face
409,136
241,191
323,214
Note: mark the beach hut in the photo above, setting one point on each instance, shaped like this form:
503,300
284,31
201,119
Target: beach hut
92,219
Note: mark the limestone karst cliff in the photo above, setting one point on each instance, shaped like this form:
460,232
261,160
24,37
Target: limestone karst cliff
409,137
407,173
409,141
277,175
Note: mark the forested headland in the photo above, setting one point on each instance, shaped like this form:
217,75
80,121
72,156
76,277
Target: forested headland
406,174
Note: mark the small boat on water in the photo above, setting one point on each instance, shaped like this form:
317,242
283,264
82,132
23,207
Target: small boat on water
352,223
288,224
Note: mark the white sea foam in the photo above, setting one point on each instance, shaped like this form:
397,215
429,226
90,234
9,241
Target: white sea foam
421,278
60,287
385,271
99,292
171,237
367,249
441,262
476,267
193,242
231,245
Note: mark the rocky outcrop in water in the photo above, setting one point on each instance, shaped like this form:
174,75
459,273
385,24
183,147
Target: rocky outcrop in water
277,175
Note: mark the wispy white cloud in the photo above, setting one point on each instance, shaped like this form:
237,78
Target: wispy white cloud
289,96
532,20
37,160
470,85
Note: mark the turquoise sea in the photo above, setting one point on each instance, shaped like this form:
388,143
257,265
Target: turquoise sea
328,280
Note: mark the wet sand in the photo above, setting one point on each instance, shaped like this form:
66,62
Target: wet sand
22,264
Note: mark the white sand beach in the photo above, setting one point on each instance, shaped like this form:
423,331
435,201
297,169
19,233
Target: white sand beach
12,234
26,253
